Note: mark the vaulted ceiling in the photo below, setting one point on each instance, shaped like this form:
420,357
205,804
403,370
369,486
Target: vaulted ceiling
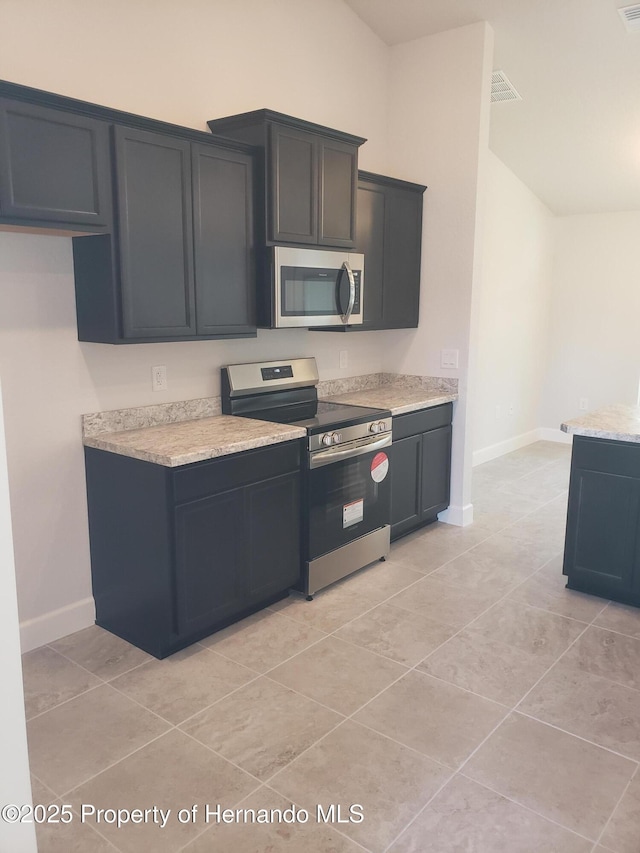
574,138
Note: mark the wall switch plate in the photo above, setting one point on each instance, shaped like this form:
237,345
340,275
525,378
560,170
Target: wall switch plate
159,378
449,358
344,358
511,408
584,404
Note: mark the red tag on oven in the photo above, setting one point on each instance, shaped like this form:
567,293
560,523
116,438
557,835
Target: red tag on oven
379,467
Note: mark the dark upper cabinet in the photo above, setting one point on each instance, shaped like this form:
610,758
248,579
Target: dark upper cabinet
389,235
54,167
308,191
224,241
293,177
421,468
183,264
155,226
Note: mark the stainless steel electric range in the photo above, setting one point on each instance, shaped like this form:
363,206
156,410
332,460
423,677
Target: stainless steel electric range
346,482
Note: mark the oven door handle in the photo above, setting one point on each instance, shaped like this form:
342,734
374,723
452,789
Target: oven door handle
326,457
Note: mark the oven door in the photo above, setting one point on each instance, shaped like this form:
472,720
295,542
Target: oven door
348,492
314,288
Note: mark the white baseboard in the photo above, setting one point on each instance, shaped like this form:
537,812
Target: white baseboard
518,441
51,626
507,446
550,434
460,516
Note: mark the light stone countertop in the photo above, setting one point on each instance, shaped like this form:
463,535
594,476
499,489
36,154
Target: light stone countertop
617,423
396,398
195,440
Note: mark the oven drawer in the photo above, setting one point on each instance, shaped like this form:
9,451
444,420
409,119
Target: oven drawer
250,466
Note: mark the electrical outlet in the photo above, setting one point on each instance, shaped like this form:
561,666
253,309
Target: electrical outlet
159,378
449,358
584,404
344,358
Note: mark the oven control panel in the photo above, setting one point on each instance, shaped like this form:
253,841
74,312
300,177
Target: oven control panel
331,438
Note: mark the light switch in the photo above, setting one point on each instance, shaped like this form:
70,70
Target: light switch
449,358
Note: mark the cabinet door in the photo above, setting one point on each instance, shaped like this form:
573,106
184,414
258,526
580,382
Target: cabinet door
402,250
293,180
436,472
370,242
156,234
338,170
602,529
54,166
273,533
210,560
406,455
223,241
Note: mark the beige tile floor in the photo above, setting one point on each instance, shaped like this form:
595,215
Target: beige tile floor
458,693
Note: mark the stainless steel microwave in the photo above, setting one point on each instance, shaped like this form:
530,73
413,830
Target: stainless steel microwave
316,287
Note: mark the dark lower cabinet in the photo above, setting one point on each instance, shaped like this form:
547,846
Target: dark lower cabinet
602,544
55,168
421,468
177,553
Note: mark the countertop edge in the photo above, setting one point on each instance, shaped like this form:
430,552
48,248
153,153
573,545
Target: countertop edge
98,443
587,432
429,404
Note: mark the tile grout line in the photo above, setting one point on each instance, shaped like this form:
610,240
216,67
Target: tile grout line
615,808
527,808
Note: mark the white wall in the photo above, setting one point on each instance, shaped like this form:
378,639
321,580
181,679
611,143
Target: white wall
184,63
15,785
594,349
513,334
438,135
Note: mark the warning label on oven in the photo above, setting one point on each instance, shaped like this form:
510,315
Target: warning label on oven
352,513
379,467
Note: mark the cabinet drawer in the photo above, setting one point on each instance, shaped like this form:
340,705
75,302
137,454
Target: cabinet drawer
414,423
217,475
611,457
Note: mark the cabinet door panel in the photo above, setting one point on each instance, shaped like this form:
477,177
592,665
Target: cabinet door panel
602,522
370,242
273,528
156,234
224,244
403,238
406,456
436,471
54,166
210,560
338,165
294,186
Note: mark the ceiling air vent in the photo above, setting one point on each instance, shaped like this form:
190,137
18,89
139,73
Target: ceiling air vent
502,89
630,18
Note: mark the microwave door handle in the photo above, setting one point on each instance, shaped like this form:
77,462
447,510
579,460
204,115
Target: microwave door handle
352,293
